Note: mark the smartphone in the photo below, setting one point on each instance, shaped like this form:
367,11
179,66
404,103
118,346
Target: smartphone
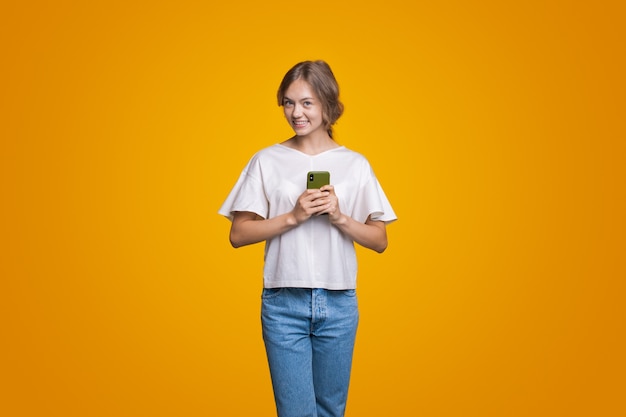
316,179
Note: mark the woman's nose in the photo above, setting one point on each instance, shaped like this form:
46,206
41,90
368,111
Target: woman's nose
297,110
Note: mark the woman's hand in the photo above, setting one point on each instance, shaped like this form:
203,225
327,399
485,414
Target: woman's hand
311,203
331,205
371,234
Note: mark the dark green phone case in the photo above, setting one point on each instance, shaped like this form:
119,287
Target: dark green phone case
316,179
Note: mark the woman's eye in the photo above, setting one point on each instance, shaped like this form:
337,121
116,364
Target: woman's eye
307,103
288,103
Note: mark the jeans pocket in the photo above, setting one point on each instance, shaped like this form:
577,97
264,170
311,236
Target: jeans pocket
271,293
349,293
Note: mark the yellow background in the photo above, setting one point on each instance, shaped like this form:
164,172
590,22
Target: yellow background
496,129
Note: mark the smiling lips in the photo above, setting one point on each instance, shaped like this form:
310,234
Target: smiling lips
300,123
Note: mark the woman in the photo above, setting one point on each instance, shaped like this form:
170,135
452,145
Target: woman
309,308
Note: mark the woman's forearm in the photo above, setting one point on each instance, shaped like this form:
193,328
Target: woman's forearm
248,228
371,234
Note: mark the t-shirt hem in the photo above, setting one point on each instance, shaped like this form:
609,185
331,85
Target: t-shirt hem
299,284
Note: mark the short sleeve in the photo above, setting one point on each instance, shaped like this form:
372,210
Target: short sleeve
371,200
248,194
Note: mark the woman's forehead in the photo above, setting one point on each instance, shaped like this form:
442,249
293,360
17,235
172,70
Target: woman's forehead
300,89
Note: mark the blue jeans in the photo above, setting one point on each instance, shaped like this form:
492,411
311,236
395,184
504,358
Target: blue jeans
309,339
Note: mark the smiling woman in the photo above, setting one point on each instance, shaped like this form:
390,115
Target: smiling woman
309,308
303,110
315,84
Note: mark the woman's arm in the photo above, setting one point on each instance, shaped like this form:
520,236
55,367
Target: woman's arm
371,234
248,228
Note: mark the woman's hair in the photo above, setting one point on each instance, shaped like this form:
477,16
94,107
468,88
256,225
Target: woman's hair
321,78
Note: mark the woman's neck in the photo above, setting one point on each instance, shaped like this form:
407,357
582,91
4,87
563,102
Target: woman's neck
311,145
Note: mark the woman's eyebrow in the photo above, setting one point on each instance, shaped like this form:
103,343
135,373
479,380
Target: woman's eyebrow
302,99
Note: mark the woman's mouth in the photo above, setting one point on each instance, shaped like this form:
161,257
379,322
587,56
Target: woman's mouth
299,123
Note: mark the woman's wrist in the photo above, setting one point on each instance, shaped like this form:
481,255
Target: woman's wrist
341,220
291,220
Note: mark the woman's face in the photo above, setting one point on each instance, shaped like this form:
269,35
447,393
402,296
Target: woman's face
303,109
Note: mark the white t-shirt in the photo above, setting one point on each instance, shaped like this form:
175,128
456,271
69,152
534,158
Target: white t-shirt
315,254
